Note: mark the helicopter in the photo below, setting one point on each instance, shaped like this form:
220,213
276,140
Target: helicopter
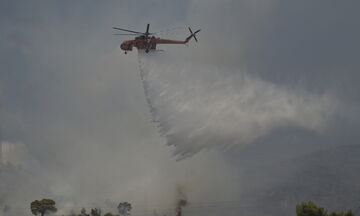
147,41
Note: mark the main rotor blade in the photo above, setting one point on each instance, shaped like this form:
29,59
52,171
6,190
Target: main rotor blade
126,34
147,29
197,31
127,30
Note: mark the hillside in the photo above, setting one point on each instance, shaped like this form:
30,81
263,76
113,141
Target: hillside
329,177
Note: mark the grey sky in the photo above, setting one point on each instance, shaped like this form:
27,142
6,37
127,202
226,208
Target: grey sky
76,102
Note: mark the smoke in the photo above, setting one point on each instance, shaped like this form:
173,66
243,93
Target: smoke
15,154
203,106
20,177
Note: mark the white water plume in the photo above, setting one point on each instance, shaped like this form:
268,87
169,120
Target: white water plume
200,106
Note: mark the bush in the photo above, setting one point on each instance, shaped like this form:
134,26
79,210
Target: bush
310,209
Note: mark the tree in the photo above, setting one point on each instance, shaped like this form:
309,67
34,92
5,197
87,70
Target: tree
310,209
43,207
83,212
348,213
95,212
124,208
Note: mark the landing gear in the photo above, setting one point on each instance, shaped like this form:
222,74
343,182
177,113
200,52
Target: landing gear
147,51
125,53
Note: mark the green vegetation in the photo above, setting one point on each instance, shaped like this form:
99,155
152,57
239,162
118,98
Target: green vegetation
43,207
95,212
124,208
83,212
311,209
47,206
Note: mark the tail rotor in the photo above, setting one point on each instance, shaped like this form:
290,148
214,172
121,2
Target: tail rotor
192,35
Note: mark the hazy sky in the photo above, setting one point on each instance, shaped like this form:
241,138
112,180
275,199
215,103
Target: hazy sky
71,97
